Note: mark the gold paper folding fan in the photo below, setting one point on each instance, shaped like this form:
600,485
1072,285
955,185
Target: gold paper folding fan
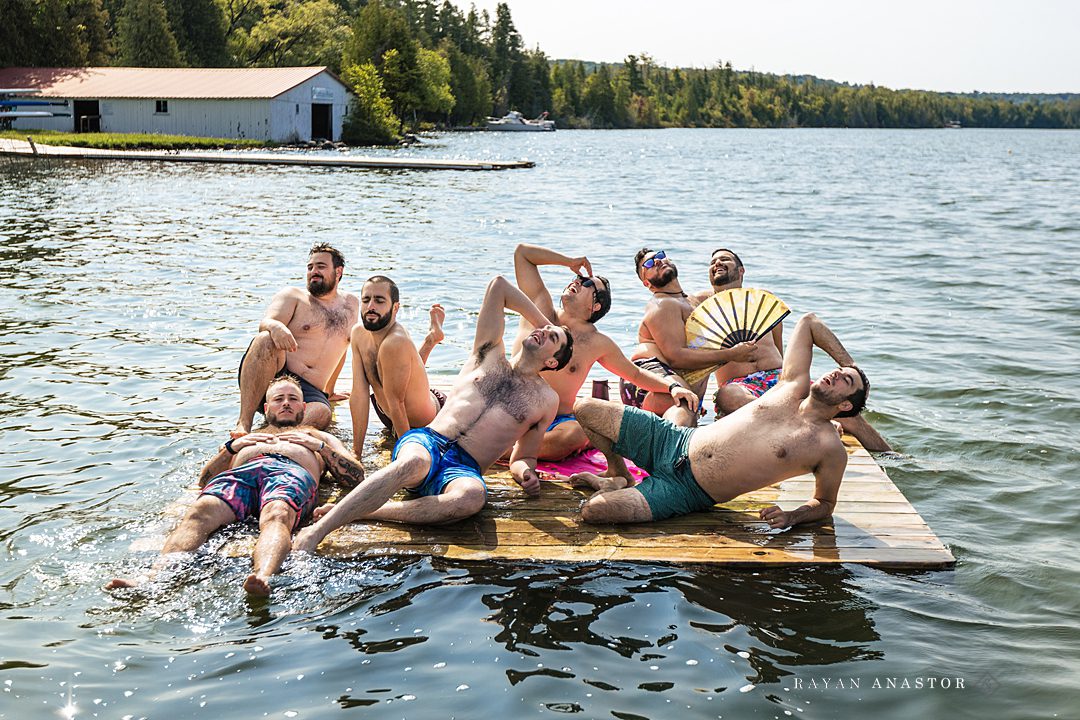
730,317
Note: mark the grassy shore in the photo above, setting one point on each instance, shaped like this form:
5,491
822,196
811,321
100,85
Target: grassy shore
131,141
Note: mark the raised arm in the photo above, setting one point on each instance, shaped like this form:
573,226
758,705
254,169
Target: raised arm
501,295
810,331
278,316
665,324
528,258
827,476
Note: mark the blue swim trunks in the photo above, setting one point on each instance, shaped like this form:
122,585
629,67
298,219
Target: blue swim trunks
560,419
661,448
448,461
249,487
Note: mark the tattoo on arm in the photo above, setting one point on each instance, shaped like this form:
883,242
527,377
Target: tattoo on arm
346,470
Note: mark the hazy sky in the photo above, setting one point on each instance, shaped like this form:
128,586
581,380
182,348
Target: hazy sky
958,45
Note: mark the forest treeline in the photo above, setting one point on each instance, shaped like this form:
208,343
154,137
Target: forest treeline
411,62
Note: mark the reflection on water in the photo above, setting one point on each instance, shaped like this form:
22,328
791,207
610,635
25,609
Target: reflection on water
944,260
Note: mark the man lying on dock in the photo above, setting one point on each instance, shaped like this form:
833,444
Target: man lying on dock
495,404
742,383
385,361
584,301
305,333
271,475
785,433
662,340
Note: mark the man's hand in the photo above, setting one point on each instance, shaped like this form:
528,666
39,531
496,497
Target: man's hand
530,483
683,396
251,439
777,518
283,337
581,263
303,439
744,352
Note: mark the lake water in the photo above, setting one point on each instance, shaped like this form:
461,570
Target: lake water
945,261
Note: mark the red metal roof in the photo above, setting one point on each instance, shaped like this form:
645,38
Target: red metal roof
158,83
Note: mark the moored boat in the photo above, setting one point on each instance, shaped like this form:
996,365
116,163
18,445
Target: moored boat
514,121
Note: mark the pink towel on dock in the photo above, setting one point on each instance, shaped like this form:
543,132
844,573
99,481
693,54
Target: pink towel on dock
591,460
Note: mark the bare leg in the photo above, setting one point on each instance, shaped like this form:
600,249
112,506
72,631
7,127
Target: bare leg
409,469
275,540
462,498
565,440
618,506
865,433
435,332
601,421
318,415
206,515
730,398
261,363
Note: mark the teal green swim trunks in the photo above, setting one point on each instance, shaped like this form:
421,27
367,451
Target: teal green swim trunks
662,449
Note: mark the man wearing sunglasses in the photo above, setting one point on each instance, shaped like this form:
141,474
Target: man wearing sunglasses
662,340
585,300
496,404
742,383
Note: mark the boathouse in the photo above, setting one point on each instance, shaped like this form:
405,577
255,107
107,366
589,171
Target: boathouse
276,104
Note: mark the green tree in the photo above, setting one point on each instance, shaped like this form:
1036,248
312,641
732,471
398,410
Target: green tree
381,36
310,32
199,28
371,119
436,96
145,37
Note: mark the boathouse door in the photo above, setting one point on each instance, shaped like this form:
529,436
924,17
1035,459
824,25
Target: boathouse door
322,125
87,116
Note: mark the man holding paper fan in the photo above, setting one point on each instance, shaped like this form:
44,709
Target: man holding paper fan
785,433
742,383
662,346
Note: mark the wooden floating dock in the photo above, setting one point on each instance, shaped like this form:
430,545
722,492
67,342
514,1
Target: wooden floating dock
874,524
20,148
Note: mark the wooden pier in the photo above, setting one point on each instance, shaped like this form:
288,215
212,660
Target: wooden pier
21,148
874,524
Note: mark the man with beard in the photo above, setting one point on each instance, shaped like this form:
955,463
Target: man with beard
584,301
386,362
271,474
785,433
495,404
742,383
662,340
305,332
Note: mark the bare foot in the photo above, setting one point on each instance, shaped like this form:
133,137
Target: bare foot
239,431
321,510
435,332
596,482
255,585
117,583
305,540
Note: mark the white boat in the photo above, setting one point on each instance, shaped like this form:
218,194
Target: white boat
514,121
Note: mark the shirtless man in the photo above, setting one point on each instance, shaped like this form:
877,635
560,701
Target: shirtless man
741,383
271,474
785,433
305,332
662,339
584,301
386,363
495,404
